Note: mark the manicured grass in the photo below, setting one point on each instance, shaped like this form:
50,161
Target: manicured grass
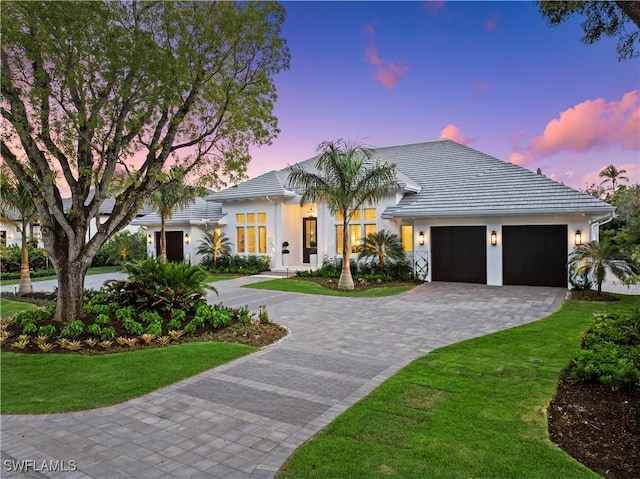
8,308
473,409
309,287
96,270
42,383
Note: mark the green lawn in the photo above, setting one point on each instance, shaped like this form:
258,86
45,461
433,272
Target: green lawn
472,409
43,383
96,270
302,286
8,308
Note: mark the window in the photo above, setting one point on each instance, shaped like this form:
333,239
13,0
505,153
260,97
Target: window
251,233
406,237
358,230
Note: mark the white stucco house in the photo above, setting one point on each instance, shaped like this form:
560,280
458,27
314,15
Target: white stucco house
470,217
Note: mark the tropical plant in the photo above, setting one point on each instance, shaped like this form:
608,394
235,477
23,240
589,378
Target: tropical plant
613,175
212,246
596,258
382,244
126,246
345,180
15,196
172,194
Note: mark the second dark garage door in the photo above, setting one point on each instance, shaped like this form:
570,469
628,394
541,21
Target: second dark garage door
534,255
459,253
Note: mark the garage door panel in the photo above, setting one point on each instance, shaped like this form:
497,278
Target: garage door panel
458,254
535,255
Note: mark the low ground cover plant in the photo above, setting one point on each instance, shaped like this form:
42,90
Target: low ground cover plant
159,304
236,264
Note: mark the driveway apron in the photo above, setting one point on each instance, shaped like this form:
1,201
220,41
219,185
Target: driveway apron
245,418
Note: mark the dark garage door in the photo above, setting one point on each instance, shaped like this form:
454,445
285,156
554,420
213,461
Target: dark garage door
459,253
534,255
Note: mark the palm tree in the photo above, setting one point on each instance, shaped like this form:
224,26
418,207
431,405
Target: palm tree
212,246
381,245
612,174
172,194
598,257
14,195
345,180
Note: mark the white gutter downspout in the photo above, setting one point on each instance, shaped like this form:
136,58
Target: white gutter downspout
594,225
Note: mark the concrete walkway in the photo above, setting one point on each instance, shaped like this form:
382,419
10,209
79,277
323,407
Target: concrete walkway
245,418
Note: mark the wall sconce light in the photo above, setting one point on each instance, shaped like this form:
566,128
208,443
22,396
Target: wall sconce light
149,238
421,238
311,213
187,239
578,237
494,238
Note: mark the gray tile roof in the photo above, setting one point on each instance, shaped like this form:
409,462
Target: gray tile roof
445,178
271,184
459,181
194,213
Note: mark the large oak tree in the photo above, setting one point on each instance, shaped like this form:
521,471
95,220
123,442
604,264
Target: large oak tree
98,93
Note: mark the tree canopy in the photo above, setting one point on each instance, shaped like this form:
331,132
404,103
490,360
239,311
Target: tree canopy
99,93
619,19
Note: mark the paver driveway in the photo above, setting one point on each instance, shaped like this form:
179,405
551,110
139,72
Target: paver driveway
243,419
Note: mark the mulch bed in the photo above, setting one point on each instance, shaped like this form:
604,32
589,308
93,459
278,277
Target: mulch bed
598,427
590,295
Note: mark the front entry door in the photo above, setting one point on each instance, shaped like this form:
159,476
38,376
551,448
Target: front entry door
309,235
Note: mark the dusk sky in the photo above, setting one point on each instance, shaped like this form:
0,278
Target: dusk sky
491,75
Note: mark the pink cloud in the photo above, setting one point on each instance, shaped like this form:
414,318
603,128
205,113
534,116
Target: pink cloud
586,126
453,132
388,73
480,85
593,123
434,6
492,22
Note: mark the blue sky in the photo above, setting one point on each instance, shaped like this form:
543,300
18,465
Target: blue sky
492,75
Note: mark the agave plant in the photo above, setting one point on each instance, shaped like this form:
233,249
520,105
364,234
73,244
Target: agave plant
45,347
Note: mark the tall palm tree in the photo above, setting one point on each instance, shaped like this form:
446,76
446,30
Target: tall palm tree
598,257
345,180
212,246
612,174
171,195
14,195
381,245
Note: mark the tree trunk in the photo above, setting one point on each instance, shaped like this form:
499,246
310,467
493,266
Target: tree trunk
163,241
346,280
70,290
25,275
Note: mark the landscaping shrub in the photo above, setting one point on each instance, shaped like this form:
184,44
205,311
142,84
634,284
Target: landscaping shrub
611,352
366,268
124,246
250,264
11,261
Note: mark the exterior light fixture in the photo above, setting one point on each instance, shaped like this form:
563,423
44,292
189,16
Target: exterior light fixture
149,238
311,213
494,238
187,238
578,237
421,238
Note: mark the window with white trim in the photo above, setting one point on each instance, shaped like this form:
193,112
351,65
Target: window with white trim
251,233
362,224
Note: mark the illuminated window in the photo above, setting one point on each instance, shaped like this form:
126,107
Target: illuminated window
339,216
251,239
358,229
406,236
240,239
262,239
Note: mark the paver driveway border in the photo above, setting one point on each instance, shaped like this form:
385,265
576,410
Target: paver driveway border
245,418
